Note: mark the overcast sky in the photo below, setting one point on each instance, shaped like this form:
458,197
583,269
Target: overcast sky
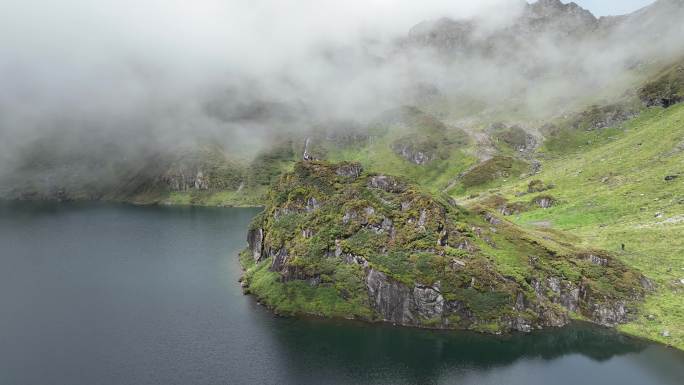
612,7
49,48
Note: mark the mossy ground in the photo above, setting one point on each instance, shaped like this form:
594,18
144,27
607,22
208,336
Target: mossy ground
344,296
620,186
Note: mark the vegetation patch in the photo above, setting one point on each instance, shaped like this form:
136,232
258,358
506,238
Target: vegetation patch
496,168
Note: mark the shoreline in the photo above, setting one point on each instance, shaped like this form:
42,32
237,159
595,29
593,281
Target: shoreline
573,323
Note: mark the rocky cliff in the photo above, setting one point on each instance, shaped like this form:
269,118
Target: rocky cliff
550,19
334,240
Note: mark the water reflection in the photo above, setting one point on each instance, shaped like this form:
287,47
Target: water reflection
422,356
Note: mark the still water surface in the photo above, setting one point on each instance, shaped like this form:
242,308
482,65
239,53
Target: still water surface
112,294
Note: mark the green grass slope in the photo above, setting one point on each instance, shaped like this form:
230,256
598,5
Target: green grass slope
615,187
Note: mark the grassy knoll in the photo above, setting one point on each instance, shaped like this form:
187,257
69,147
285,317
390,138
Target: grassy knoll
379,157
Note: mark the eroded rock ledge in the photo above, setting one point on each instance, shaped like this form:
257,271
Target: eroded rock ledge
336,241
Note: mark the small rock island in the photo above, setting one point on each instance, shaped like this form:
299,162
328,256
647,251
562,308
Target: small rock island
336,241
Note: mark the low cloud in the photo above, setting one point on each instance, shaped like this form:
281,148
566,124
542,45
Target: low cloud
149,76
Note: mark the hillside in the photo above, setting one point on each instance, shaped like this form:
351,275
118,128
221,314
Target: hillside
621,190
606,177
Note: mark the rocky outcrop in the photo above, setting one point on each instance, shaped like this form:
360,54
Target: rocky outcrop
395,302
514,137
387,183
600,117
306,155
390,299
666,90
185,180
349,170
255,239
564,293
419,261
200,170
428,300
544,201
414,153
551,19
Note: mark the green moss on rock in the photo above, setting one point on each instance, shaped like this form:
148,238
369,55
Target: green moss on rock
339,242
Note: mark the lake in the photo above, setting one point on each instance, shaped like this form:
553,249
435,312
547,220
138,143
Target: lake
115,294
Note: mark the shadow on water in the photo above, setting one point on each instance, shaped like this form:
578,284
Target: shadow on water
410,344
424,354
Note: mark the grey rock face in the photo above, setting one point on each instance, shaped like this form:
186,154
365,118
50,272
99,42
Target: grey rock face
597,260
520,324
576,298
600,117
457,264
428,301
405,206
395,302
569,296
551,317
544,202
386,226
423,218
391,299
647,284
387,183
185,180
306,155
569,18
491,219
255,239
354,259
444,33
281,212
565,293
443,239
412,154
609,314
312,204
280,258
542,18
520,302
351,170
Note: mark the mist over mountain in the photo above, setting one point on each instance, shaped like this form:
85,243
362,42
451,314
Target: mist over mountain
94,93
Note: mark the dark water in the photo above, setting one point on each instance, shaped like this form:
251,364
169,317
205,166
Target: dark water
108,294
